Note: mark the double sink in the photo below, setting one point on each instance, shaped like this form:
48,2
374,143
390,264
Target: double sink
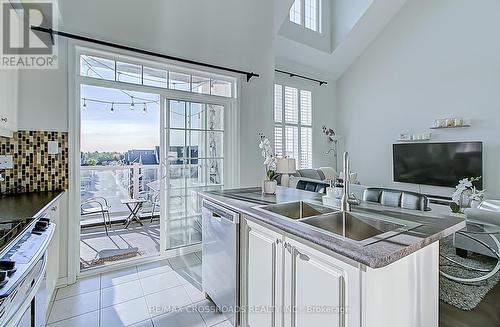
363,227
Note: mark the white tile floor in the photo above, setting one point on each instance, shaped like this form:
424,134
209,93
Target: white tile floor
163,293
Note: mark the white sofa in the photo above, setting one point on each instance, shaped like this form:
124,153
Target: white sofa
324,174
486,215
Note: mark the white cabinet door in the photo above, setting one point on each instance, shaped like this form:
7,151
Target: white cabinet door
8,99
315,287
52,274
262,275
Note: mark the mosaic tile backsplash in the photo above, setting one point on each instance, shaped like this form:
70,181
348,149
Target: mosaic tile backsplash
34,169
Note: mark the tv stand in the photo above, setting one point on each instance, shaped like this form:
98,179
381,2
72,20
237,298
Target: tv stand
437,199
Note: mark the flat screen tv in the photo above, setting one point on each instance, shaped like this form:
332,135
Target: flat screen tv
439,164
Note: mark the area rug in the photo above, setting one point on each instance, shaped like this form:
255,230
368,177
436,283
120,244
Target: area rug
110,256
463,296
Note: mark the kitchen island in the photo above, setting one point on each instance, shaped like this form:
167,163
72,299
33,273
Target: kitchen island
293,273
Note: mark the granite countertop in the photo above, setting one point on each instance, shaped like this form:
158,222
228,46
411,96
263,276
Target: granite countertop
25,205
434,225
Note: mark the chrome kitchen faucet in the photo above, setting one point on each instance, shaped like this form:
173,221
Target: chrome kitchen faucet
347,200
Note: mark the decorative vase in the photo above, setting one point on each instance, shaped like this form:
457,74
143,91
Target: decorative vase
465,201
269,187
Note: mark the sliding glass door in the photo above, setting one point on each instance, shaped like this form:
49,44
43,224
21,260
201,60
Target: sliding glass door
146,137
194,157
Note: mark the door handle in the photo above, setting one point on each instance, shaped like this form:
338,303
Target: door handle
216,216
164,167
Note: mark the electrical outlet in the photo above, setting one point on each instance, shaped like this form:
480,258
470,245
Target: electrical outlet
53,147
6,162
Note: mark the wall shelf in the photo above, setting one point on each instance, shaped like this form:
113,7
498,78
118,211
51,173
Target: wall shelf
414,141
450,127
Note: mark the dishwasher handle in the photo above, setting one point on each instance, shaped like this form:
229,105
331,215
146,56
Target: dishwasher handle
218,212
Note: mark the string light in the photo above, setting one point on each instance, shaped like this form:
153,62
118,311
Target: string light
114,103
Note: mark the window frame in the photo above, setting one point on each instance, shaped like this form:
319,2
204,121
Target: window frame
117,57
299,125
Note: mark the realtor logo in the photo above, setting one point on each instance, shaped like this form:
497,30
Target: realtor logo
23,48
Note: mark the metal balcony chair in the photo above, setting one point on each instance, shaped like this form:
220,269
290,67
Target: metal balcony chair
87,208
152,195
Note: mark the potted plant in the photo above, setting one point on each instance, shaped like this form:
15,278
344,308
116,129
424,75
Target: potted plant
269,184
464,191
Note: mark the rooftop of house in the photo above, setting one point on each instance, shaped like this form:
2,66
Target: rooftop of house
145,157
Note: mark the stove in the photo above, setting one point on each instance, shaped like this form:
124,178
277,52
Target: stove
9,230
23,263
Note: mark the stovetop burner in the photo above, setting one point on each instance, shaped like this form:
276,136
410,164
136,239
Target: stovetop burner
9,230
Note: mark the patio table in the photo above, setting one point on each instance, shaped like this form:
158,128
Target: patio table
133,205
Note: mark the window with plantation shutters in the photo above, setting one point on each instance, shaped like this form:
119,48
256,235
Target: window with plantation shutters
278,103
291,105
306,13
278,141
296,12
293,124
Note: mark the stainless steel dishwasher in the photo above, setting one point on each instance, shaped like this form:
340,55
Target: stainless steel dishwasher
220,266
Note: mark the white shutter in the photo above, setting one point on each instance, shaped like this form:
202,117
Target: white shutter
292,142
293,136
295,12
278,103
311,14
305,147
291,105
305,108
278,141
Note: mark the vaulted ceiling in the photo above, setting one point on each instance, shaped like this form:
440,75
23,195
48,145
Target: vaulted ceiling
354,25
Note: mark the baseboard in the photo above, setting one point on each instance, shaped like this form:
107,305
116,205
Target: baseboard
61,282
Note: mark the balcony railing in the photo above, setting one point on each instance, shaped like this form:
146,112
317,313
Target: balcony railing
115,183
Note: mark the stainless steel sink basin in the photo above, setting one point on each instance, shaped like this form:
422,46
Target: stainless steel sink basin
364,228
296,210
354,226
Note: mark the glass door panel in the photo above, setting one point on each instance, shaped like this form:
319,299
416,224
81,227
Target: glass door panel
195,158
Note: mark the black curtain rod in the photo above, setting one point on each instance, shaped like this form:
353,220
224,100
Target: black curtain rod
50,31
300,76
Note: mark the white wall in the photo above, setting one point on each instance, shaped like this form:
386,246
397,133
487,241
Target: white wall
345,14
43,96
437,58
223,32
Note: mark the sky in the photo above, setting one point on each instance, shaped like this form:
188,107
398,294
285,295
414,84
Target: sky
125,129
